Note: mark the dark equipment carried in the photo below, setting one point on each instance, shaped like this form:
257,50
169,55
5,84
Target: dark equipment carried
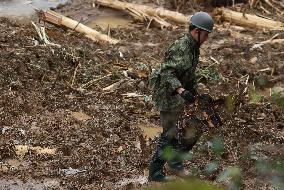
194,122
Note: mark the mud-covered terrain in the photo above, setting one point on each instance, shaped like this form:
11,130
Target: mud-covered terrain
64,127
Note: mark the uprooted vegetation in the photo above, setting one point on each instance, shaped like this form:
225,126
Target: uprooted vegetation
79,107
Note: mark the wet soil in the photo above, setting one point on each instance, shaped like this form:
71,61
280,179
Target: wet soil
55,134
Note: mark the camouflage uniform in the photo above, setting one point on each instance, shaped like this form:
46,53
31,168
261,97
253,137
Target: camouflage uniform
177,71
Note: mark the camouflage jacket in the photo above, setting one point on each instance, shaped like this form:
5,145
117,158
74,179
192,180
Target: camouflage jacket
178,70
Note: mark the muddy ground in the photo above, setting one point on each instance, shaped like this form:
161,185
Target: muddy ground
58,131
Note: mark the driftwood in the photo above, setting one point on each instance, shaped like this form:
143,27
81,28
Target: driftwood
60,20
155,13
248,20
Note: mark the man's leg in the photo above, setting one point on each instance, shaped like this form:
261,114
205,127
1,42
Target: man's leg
168,122
184,144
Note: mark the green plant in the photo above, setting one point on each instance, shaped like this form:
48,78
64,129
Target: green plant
254,96
208,73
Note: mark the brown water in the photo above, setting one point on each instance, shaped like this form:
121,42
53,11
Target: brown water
150,130
16,184
26,7
110,21
23,149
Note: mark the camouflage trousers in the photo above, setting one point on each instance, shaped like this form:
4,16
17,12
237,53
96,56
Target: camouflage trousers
168,141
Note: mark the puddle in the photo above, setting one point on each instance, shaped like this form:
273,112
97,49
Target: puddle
23,149
11,164
80,116
108,18
17,184
26,7
110,22
15,162
136,180
149,130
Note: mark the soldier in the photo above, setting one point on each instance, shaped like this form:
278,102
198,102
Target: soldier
174,84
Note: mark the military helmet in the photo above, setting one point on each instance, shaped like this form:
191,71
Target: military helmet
203,21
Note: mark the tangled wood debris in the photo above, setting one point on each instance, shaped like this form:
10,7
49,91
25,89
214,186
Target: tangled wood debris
142,11
276,6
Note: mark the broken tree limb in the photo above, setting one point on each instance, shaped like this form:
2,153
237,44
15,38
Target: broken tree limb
154,12
42,35
60,20
248,20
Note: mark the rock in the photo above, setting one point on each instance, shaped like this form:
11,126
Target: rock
141,85
227,51
253,60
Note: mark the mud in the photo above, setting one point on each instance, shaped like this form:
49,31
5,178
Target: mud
57,135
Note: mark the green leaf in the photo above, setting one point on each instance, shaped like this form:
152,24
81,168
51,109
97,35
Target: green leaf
254,96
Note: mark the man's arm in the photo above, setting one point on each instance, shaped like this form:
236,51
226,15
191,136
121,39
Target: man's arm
175,62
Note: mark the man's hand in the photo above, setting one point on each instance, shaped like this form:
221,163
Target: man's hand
187,96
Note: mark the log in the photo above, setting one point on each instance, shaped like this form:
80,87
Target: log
154,12
60,20
248,20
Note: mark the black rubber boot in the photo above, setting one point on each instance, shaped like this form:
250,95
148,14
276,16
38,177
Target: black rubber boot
156,167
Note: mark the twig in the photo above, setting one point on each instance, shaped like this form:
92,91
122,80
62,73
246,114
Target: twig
277,53
74,74
217,62
265,10
263,70
93,81
247,80
275,36
273,41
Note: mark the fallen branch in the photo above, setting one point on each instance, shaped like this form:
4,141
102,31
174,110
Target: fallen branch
248,20
60,20
42,35
153,12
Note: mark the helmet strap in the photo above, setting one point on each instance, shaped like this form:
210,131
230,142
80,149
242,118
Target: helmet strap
199,36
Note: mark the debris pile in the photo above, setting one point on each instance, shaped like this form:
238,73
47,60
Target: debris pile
80,112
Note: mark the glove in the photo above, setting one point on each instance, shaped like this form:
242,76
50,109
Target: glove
187,96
